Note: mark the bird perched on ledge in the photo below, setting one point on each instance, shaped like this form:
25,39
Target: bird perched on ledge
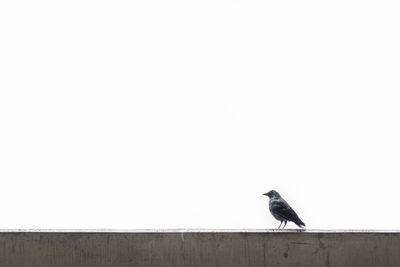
281,210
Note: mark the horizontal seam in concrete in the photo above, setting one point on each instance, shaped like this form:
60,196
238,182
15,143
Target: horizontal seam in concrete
193,231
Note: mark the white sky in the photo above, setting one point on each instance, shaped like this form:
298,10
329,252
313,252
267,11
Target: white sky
180,114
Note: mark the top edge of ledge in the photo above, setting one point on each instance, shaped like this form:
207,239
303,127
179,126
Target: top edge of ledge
197,231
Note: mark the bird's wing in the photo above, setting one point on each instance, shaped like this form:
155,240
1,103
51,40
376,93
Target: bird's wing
282,209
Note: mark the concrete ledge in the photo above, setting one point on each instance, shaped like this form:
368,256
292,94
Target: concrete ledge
182,247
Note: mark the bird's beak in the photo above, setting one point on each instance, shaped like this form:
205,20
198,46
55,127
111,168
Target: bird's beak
265,194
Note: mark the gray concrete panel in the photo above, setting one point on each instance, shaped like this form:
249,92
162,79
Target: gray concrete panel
199,248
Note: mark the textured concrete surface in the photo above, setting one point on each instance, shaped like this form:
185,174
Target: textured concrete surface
199,248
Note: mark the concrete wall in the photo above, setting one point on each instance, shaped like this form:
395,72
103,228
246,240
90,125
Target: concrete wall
193,248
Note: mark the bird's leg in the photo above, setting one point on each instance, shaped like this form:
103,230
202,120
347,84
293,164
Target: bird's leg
280,225
284,225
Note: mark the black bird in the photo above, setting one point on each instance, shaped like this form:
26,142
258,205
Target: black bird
281,210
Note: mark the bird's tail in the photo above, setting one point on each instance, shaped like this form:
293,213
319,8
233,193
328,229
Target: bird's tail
300,223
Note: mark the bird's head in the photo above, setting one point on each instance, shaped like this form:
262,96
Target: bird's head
272,194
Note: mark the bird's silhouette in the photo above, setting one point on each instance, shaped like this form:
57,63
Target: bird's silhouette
281,210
